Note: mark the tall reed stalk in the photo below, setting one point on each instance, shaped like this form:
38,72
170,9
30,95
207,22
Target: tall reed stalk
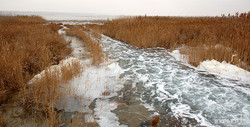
207,38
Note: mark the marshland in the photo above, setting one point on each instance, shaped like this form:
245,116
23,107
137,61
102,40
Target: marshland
124,71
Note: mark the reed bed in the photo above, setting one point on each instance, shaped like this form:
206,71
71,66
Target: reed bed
45,90
27,46
205,38
91,45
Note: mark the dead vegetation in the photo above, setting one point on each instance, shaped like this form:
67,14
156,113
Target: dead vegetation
205,38
91,45
27,46
44,92
3,121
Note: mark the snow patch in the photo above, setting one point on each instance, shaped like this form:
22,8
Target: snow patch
52,68
95,82
89,118
179,57
226,70
106,117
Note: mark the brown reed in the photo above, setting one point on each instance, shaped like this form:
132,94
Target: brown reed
231,33
91,45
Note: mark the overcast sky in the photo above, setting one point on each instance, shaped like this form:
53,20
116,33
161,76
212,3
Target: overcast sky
131,7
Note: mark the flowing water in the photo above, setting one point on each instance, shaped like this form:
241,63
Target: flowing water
155,84
166,86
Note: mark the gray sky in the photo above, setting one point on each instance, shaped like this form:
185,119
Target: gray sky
131,7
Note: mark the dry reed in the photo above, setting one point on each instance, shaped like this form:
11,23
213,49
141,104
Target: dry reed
3,121
231,32
43,94
27,46
91,45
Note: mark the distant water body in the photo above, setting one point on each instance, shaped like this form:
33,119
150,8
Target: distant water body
62,16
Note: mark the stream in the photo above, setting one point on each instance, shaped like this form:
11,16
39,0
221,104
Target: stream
135,85
167,87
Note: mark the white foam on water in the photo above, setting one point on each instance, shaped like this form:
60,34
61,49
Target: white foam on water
143,78
184,110
184,90
141,58
187,92
154,114
149,107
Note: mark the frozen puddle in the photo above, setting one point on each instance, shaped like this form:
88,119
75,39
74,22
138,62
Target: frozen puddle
168,87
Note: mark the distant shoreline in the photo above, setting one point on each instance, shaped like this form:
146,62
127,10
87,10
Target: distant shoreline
61,15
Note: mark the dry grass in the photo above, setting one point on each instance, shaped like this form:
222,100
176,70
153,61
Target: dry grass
22,19
70,70
232,32
3,121
202,53
27,46
91,45
44,92
55,27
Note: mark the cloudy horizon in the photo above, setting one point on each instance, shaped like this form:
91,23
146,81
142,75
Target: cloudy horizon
131,7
